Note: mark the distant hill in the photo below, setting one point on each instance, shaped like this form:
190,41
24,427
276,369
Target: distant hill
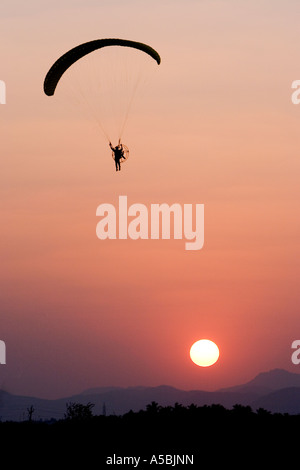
266,382
276,391
286,400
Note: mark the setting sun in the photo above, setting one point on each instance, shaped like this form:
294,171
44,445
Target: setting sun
204,353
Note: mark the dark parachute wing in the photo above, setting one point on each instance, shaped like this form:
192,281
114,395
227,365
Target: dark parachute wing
66,60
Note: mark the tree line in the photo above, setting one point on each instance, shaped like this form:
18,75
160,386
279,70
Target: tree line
212,433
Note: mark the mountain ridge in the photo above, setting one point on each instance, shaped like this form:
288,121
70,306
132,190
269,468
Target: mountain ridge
276,390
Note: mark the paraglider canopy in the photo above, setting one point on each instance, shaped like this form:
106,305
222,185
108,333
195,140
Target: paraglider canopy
66,60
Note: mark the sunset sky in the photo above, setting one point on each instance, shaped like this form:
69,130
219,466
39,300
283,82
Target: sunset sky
215,125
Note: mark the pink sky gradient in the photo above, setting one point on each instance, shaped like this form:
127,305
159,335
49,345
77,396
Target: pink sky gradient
216,126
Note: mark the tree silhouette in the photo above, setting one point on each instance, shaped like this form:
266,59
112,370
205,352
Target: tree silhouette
242,410
153,408
262,412
78,411
30,412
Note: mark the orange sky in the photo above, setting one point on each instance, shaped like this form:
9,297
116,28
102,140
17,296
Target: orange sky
215,125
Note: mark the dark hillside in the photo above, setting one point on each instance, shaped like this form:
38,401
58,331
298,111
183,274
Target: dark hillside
209,435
